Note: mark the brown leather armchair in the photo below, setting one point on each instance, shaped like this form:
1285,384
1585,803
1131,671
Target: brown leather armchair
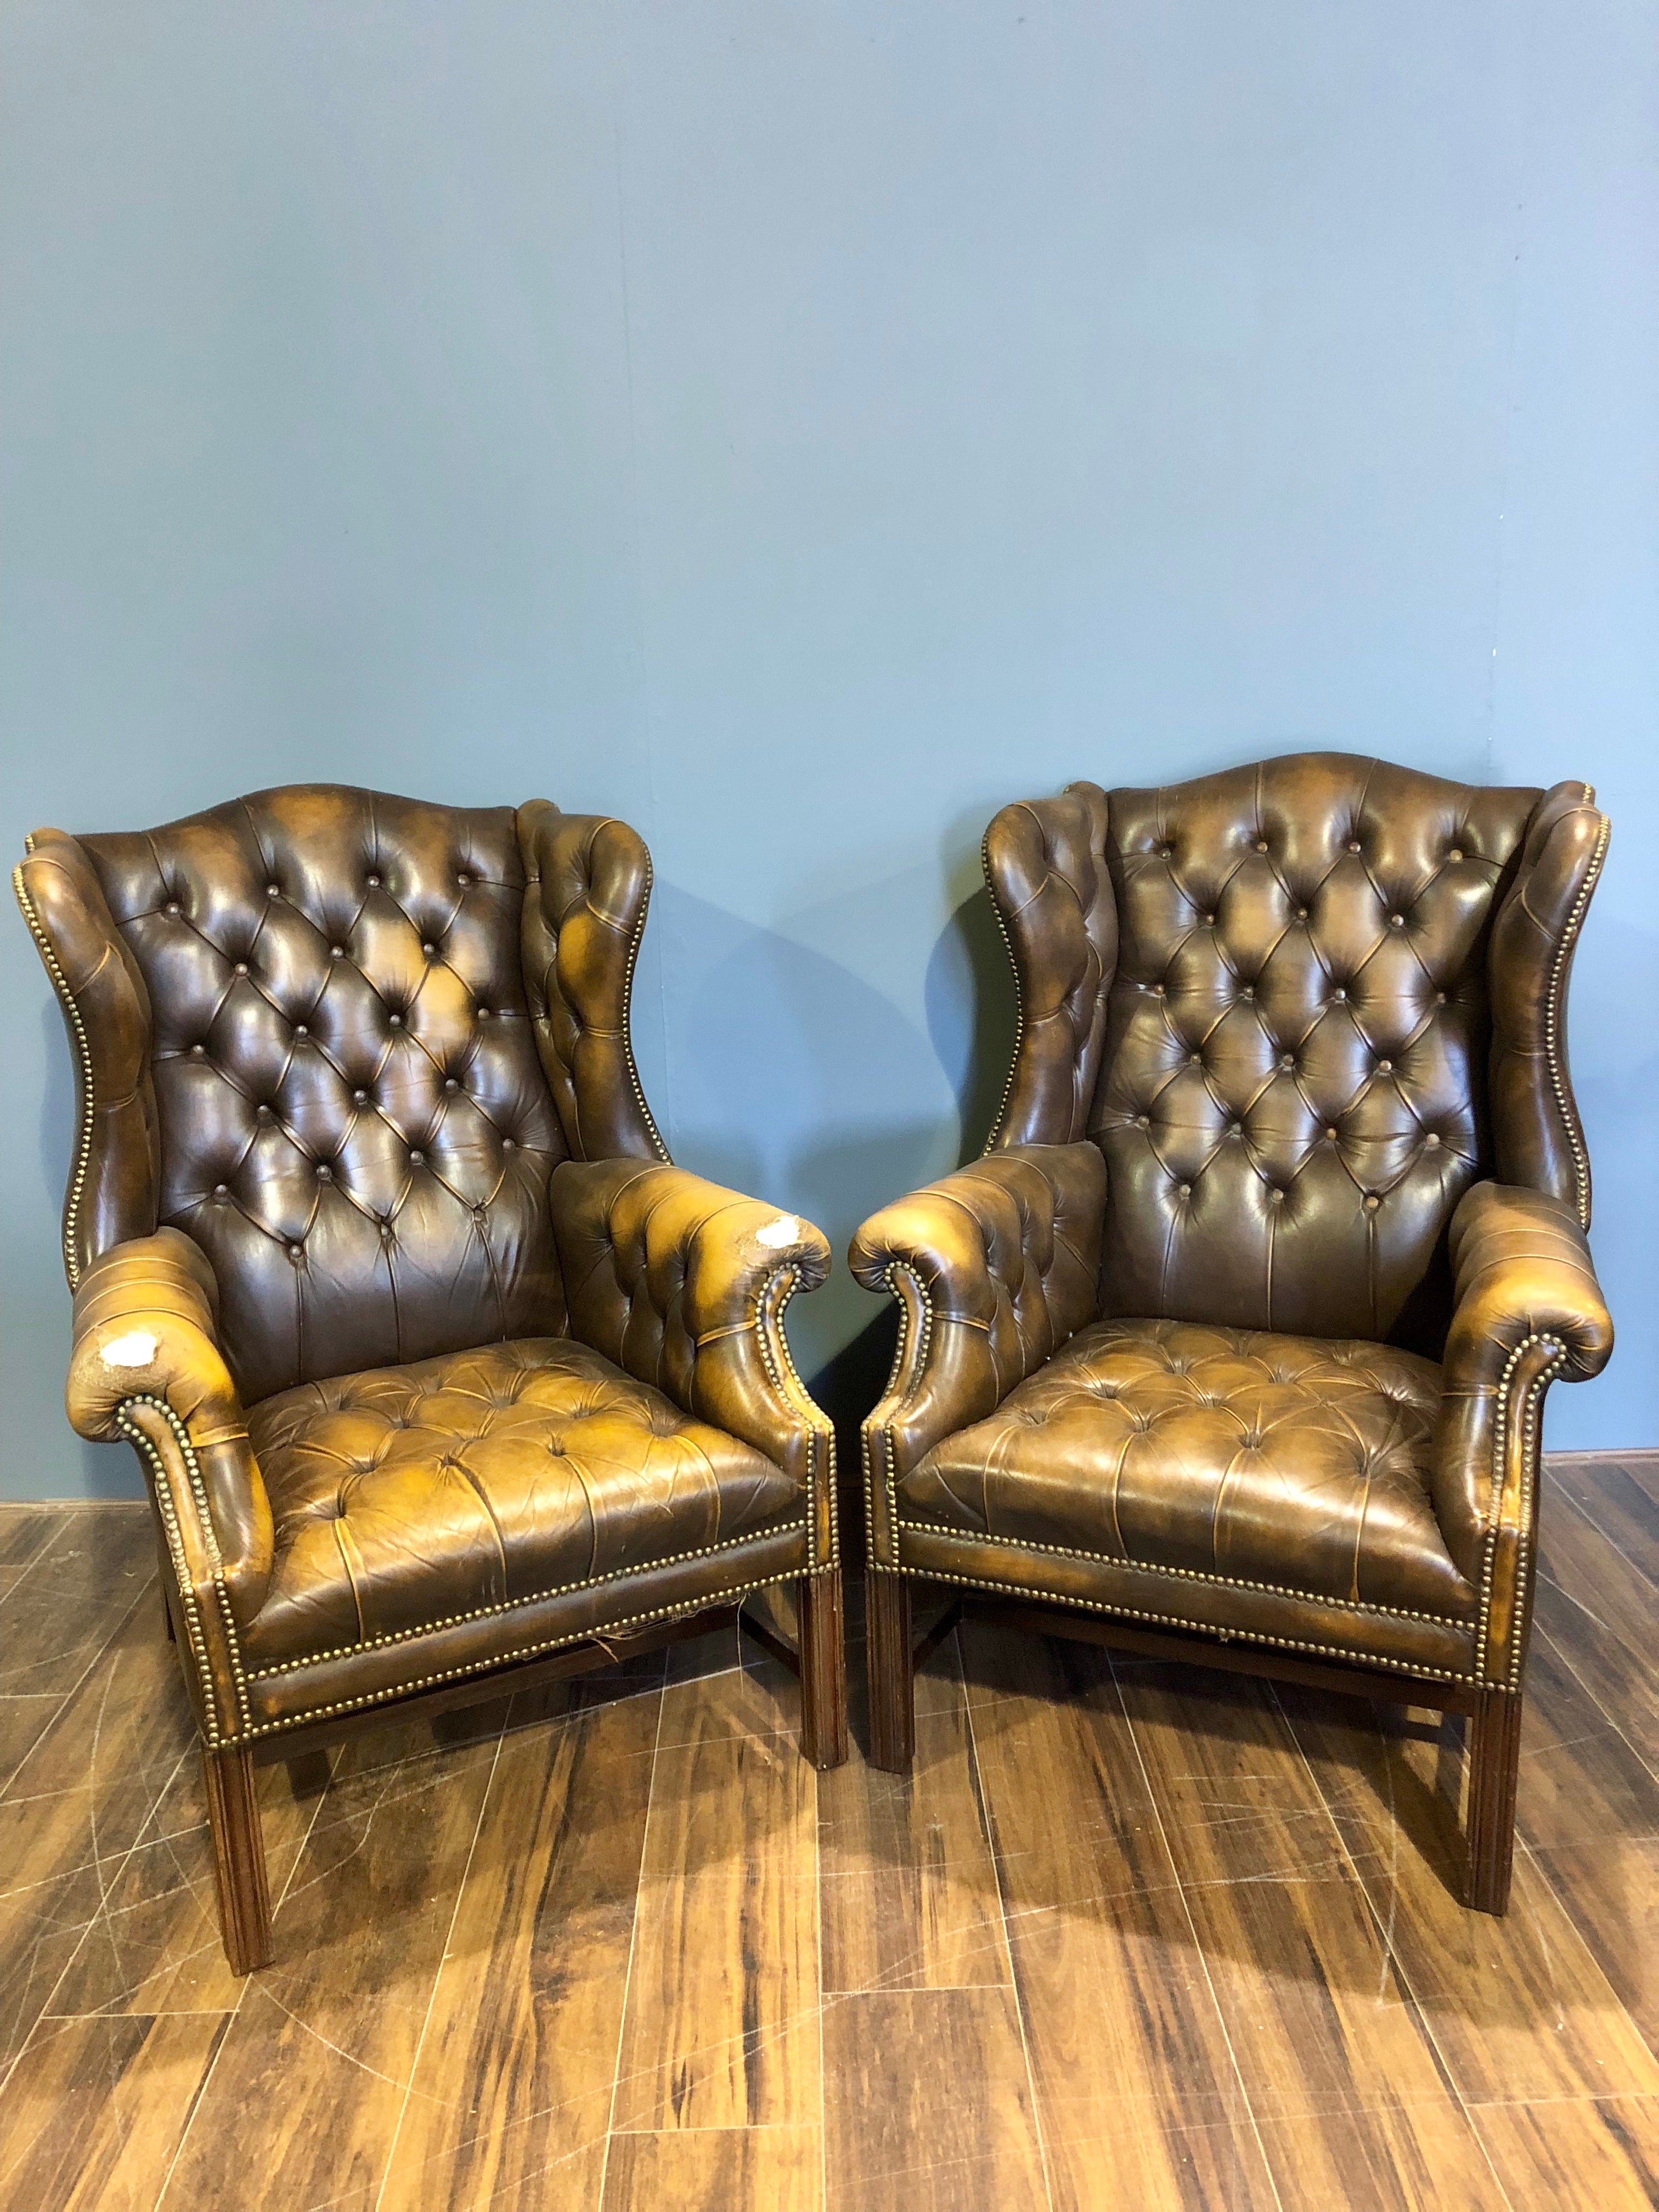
442,1377
1234,1342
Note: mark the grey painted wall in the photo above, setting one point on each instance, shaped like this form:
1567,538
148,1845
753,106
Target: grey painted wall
801,428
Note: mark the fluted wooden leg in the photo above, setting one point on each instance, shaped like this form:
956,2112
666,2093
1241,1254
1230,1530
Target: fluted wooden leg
822,1671
239,1859
889,1657
1494,1756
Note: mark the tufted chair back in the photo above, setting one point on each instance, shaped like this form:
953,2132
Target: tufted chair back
1300,1007
340,1040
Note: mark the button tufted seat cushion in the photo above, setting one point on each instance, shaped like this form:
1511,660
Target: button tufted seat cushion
1275,1461
469,1487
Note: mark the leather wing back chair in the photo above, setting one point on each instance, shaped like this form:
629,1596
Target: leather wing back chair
1235,1340
441,1376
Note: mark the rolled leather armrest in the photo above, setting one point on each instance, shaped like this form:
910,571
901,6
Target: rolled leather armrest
1527,1309
683,1284
995,1266
146,1365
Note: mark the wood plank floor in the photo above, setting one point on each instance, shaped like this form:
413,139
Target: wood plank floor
1132,1936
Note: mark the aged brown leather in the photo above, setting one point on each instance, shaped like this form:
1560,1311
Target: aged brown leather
434,1361
1310,1016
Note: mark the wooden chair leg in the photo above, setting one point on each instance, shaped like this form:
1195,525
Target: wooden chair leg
822,1670
239,1859
1494,1756
889,1656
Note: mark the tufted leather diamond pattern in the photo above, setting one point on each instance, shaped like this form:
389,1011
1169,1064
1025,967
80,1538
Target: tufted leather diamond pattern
1259,1458
353,1124
483,1480
1293,1088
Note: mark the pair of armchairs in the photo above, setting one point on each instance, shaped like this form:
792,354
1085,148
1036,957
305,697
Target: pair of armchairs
445,1379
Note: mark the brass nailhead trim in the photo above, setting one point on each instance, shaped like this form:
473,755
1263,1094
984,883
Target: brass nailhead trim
1553,1023
1201,1628
687,1605
78,1030
772,1297
509,1605
1019,993
628,1010
1533,1401
1186,1574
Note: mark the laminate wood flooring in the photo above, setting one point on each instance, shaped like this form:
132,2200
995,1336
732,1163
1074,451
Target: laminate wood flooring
1132,1935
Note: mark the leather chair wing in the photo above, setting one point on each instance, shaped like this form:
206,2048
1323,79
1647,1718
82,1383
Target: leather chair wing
1045,868
588,887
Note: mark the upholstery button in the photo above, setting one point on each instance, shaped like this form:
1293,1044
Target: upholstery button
173,907
300,1030
273,891
324,1173
395,1020
1353,844
359,1097
1338,992
385,1232
198,1052
417,1159
336,952
450,1084
294,1249
483,1013
1302,914
1261,844
241,967
373,882
1397,921
1275,1197
262,1114
510,1145
463,879
1287,1061
1166,852
429,950
1331,1134
1385,1067
1248,992
1186,1190
222,1190
1143,1121
1454,854
1440,997
1194,1059
1372,1201
1431,1141
1209,922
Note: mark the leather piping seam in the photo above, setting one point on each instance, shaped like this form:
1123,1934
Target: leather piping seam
774,1294
1186,1574
1553,1023
1532,1397
66,998
1019,996
163,1492
515,1604
683,1606
1206,1628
